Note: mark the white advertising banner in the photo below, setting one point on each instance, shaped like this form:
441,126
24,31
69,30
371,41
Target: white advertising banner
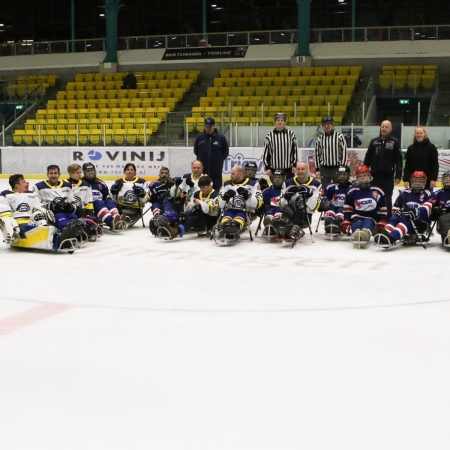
110,161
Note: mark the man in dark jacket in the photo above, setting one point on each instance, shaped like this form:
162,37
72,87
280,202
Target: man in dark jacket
384,157
211,148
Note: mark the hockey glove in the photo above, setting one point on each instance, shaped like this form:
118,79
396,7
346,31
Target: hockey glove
228,194
115,188
138,190
263,184
244,192
412,214
398,213
190,183
60,205
325,204
345,226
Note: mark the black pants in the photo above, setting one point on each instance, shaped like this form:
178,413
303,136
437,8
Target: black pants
387,185
328,175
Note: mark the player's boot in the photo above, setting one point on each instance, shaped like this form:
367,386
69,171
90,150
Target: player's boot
383,239
446,240
167,231
119,222
69,234
231,229
268,230
332,227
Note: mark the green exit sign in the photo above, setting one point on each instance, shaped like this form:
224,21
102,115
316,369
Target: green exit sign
404,101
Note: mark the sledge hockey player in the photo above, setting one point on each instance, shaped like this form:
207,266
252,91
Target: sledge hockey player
83,201
250,170
441,209
130,192
364,207
202,209
333,200
57,196
186,185
410,213
299,200
271,199
237,196
25,222
105,207
160,197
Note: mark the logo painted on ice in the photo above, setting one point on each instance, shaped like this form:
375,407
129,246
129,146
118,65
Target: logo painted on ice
94,155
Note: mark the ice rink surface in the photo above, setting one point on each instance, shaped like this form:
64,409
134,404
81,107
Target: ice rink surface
133,343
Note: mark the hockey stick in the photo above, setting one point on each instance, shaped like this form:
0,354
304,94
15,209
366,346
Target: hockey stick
140,208
259,225
318,222
307,217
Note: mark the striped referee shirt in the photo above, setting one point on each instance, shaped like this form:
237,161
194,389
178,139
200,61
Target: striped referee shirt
280,150
331,150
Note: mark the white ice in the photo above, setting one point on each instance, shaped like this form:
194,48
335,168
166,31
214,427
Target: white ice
132,343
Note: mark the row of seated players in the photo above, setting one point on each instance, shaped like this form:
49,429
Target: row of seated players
190,203
359,210
58,214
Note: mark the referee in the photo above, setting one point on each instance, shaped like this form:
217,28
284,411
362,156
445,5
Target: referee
280,148
331,152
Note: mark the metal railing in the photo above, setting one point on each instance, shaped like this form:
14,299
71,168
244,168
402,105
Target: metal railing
357,34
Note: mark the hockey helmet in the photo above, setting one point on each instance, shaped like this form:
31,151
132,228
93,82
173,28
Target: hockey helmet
250,169
327,119
171,216
418,180
89,168
280,115
342,174
446,181
277,178
363,176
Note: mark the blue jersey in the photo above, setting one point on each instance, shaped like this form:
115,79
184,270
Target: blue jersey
271,195
99,188
441,199
336,193
365,204
408,200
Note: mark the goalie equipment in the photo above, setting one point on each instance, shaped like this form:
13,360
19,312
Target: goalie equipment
39,218
296,232
10,229
283,227
325,204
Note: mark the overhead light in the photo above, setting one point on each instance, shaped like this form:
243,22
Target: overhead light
102,15
213,6
2,24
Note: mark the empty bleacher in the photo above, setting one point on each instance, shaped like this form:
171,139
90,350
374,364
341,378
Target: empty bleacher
254,95
412,77
94,110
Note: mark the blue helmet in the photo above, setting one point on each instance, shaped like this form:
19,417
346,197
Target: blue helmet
171,216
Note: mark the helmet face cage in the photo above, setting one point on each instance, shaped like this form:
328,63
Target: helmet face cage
363,176
250,169
446,180
418,181
278,178
343,174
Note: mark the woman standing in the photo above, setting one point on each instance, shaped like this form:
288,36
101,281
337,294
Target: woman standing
421,155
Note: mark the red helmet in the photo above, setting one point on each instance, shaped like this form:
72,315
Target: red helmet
363,177
362,169
418,180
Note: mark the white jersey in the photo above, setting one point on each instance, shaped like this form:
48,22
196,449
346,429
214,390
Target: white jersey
126,196
46,193
209,203
254,200
175,191
18,206
83,195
